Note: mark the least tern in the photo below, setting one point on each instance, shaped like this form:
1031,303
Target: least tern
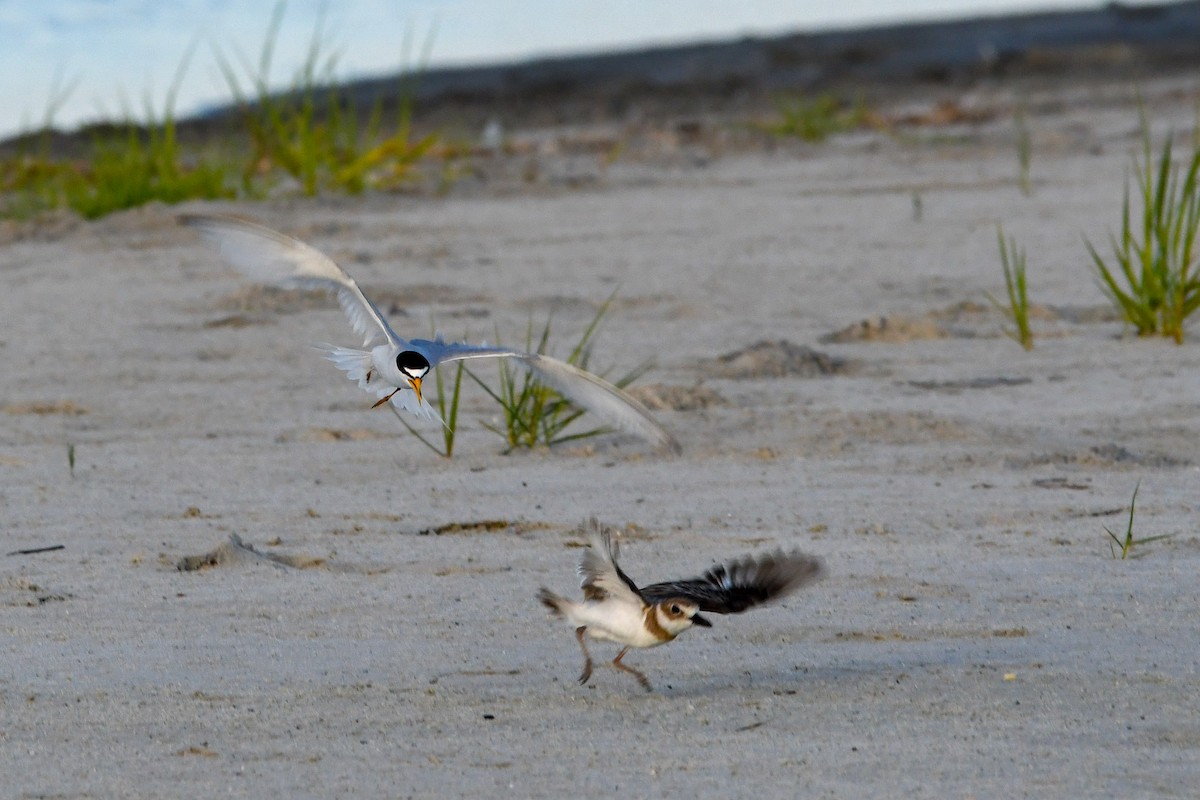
615,609
392,368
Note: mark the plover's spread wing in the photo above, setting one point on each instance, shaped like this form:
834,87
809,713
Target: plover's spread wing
599,576
271,257
742,583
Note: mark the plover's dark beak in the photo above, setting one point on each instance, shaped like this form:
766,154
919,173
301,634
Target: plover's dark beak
701,621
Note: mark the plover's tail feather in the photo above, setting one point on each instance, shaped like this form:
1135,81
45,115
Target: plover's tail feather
553,602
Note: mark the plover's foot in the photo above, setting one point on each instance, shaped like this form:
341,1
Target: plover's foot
641,676
587,657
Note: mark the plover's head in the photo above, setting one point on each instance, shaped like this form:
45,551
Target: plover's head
677,615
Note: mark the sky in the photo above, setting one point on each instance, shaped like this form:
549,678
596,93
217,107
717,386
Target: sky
85,60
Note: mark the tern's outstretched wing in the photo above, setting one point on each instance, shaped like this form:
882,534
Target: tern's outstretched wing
271,257
599,397
599,575
588,391
743,583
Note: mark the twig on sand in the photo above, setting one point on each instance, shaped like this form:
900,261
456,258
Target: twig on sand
33,550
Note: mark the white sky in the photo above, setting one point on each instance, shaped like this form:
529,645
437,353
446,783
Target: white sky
118,53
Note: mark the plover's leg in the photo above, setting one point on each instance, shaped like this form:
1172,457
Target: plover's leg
587,657
641,676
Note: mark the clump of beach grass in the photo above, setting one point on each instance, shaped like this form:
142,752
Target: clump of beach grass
815,119
1012,261
128,165
314,133
533,413
1154,279
1122,547
142,165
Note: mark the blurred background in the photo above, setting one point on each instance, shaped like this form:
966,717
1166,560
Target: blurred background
73,62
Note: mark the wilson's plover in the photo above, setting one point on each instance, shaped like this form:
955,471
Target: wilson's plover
615,609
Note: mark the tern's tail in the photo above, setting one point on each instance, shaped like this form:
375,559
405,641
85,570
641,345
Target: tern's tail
357,366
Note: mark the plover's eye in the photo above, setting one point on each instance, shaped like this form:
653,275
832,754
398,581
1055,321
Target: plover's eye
675,610
412,363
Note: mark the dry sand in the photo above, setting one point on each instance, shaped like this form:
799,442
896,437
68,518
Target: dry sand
973,638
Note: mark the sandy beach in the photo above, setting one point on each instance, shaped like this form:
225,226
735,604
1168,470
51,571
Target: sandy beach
973,637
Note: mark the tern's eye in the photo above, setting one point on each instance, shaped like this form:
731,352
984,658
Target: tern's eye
412,363
675,610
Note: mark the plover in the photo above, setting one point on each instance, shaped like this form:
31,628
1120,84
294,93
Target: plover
616,610
388,366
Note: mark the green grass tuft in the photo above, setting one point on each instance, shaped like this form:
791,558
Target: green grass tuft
1122,548
1154,280
312,133
534,414
129,165
815,120
142,166
1012,260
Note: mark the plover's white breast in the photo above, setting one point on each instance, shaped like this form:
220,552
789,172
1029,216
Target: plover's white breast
623,623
